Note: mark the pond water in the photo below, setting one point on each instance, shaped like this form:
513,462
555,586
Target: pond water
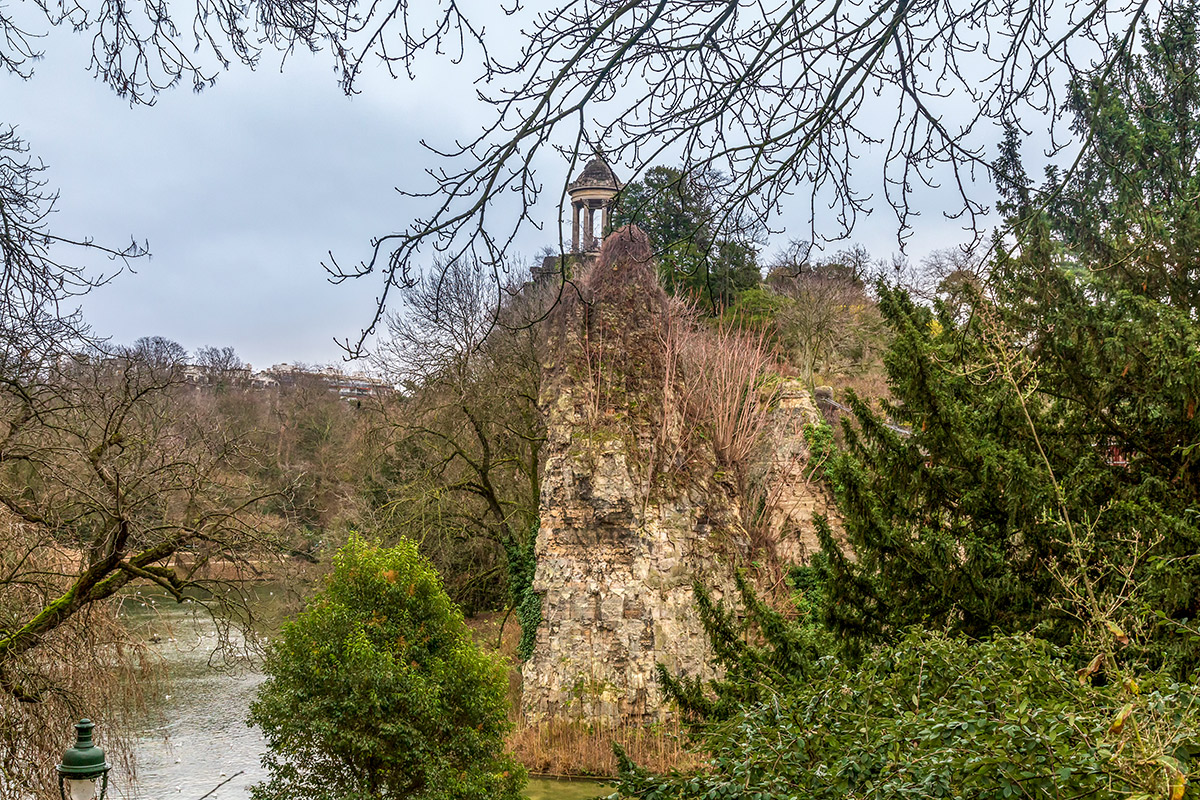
194,742
559,789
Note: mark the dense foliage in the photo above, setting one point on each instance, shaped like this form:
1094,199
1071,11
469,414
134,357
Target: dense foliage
761,652
701,254
376,691
1016,591
1049,481
940,716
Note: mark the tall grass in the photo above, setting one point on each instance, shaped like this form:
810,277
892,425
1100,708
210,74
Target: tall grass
572,747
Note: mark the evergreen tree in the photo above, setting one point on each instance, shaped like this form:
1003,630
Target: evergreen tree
939,716
759,652
700,253
1050,479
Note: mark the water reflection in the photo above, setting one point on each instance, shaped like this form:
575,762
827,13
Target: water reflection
194,741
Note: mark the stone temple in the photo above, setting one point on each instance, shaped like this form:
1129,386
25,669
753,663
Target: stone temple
591,195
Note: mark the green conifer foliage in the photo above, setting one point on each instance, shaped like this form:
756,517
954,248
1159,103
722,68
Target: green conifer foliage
1051,480
759,653
936,716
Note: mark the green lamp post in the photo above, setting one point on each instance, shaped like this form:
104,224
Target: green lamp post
83,773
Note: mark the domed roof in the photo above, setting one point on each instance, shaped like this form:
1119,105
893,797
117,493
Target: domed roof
596,175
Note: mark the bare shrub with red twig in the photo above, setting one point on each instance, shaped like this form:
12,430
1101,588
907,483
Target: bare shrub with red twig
720,378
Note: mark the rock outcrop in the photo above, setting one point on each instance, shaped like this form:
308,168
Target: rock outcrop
793,489
616,565
633,511
622,535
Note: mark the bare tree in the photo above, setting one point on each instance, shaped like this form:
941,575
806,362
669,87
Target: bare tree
464,438
784,98
114,482
37,285
442,322
159,352
829,321
31,733
222,366
953,275
103,483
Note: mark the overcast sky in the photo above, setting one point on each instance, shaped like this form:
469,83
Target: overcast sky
243,189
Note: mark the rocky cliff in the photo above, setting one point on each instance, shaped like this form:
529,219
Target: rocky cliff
792,489
633,511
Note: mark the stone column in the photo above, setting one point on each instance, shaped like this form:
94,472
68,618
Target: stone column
575,227
587,227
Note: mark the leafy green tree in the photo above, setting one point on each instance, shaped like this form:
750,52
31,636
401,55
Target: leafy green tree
947,516
1050,479
701,253
376,691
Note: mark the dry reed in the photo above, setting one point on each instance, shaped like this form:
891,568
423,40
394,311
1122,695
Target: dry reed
570,747
719,372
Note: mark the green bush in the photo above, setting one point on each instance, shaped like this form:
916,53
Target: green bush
936,716
376,691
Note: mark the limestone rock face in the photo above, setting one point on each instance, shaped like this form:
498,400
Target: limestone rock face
623,534
794,492
633,511
616,559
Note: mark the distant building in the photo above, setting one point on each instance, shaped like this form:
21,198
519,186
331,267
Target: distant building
348,387
201,375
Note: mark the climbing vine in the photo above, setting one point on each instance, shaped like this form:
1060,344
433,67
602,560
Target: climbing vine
522,563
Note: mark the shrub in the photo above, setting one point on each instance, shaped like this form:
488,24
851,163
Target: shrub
376,691
936,716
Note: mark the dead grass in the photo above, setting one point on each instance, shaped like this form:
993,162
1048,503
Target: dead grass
870,385
485,629
571,748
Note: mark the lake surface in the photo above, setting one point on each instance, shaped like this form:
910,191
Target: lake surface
194,741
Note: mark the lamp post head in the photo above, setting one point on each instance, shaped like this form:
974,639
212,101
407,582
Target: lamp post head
82,765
